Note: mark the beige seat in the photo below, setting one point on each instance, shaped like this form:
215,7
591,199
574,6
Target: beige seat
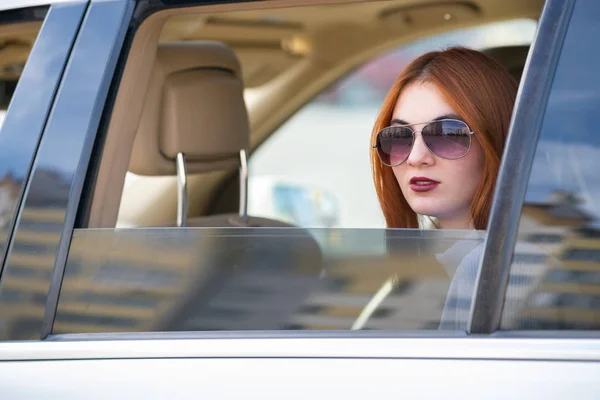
195,121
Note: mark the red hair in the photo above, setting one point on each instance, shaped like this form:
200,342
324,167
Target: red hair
482,92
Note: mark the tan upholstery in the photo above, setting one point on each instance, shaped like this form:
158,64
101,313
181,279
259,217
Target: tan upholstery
194,105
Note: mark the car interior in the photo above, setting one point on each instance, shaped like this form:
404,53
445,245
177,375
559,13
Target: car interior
251,66
286,55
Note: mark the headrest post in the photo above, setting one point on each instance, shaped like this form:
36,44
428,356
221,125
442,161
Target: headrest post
182,195
243,185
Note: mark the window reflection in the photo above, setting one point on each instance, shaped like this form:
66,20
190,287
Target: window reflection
207,279
561,215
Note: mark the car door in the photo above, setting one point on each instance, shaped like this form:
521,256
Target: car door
37,38
117,320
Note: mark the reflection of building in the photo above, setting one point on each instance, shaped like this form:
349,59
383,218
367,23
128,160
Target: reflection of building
161,280
566,294
415,302
156,279
9,193
49,189
148,280
28,269
25,283
116,282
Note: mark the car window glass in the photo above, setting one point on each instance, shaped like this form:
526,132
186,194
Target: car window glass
233,274
555,277
224,279
29,76
325,181
326,273
18,30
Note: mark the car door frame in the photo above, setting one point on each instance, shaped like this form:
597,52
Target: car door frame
527,115
515,167
27,116
79,95
25,119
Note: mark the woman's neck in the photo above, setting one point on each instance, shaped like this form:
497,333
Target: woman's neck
464,222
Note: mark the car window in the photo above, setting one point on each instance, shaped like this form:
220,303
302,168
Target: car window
18,31
322,274
555,276
35,44
326,180
224,279
19,28
182,96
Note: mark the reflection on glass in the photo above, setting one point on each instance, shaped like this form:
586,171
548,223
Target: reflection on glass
564,276
561,216
27,274
37,68
205,279
58,154
15,46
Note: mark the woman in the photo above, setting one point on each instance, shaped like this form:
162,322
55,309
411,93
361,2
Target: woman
439,139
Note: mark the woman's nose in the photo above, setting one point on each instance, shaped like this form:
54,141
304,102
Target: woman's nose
420,154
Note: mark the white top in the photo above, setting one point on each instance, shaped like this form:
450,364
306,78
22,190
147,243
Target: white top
461,261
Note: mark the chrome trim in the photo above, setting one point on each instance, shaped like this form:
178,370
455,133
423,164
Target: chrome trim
524,130
470,348
243,212
182,191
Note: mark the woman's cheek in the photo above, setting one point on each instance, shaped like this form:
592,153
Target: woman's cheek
399,174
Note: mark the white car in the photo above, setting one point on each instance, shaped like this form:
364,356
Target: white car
186,206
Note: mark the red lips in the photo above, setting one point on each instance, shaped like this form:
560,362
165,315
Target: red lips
423,184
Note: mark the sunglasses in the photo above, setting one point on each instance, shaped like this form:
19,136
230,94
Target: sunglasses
446,138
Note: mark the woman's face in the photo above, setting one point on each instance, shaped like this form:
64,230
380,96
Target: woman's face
432,185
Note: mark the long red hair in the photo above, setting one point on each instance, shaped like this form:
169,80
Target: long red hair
482,92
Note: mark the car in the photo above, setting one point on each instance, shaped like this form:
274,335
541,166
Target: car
187,206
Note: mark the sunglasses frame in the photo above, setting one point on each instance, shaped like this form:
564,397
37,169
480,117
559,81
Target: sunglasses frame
414,134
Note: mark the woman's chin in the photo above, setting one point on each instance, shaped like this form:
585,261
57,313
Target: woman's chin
440,213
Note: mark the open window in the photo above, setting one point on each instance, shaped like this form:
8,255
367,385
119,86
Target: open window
200,96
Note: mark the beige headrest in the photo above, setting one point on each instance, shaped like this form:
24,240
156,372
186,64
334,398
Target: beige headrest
194,105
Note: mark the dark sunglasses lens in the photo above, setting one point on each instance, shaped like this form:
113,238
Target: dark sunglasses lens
448,139
394,144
